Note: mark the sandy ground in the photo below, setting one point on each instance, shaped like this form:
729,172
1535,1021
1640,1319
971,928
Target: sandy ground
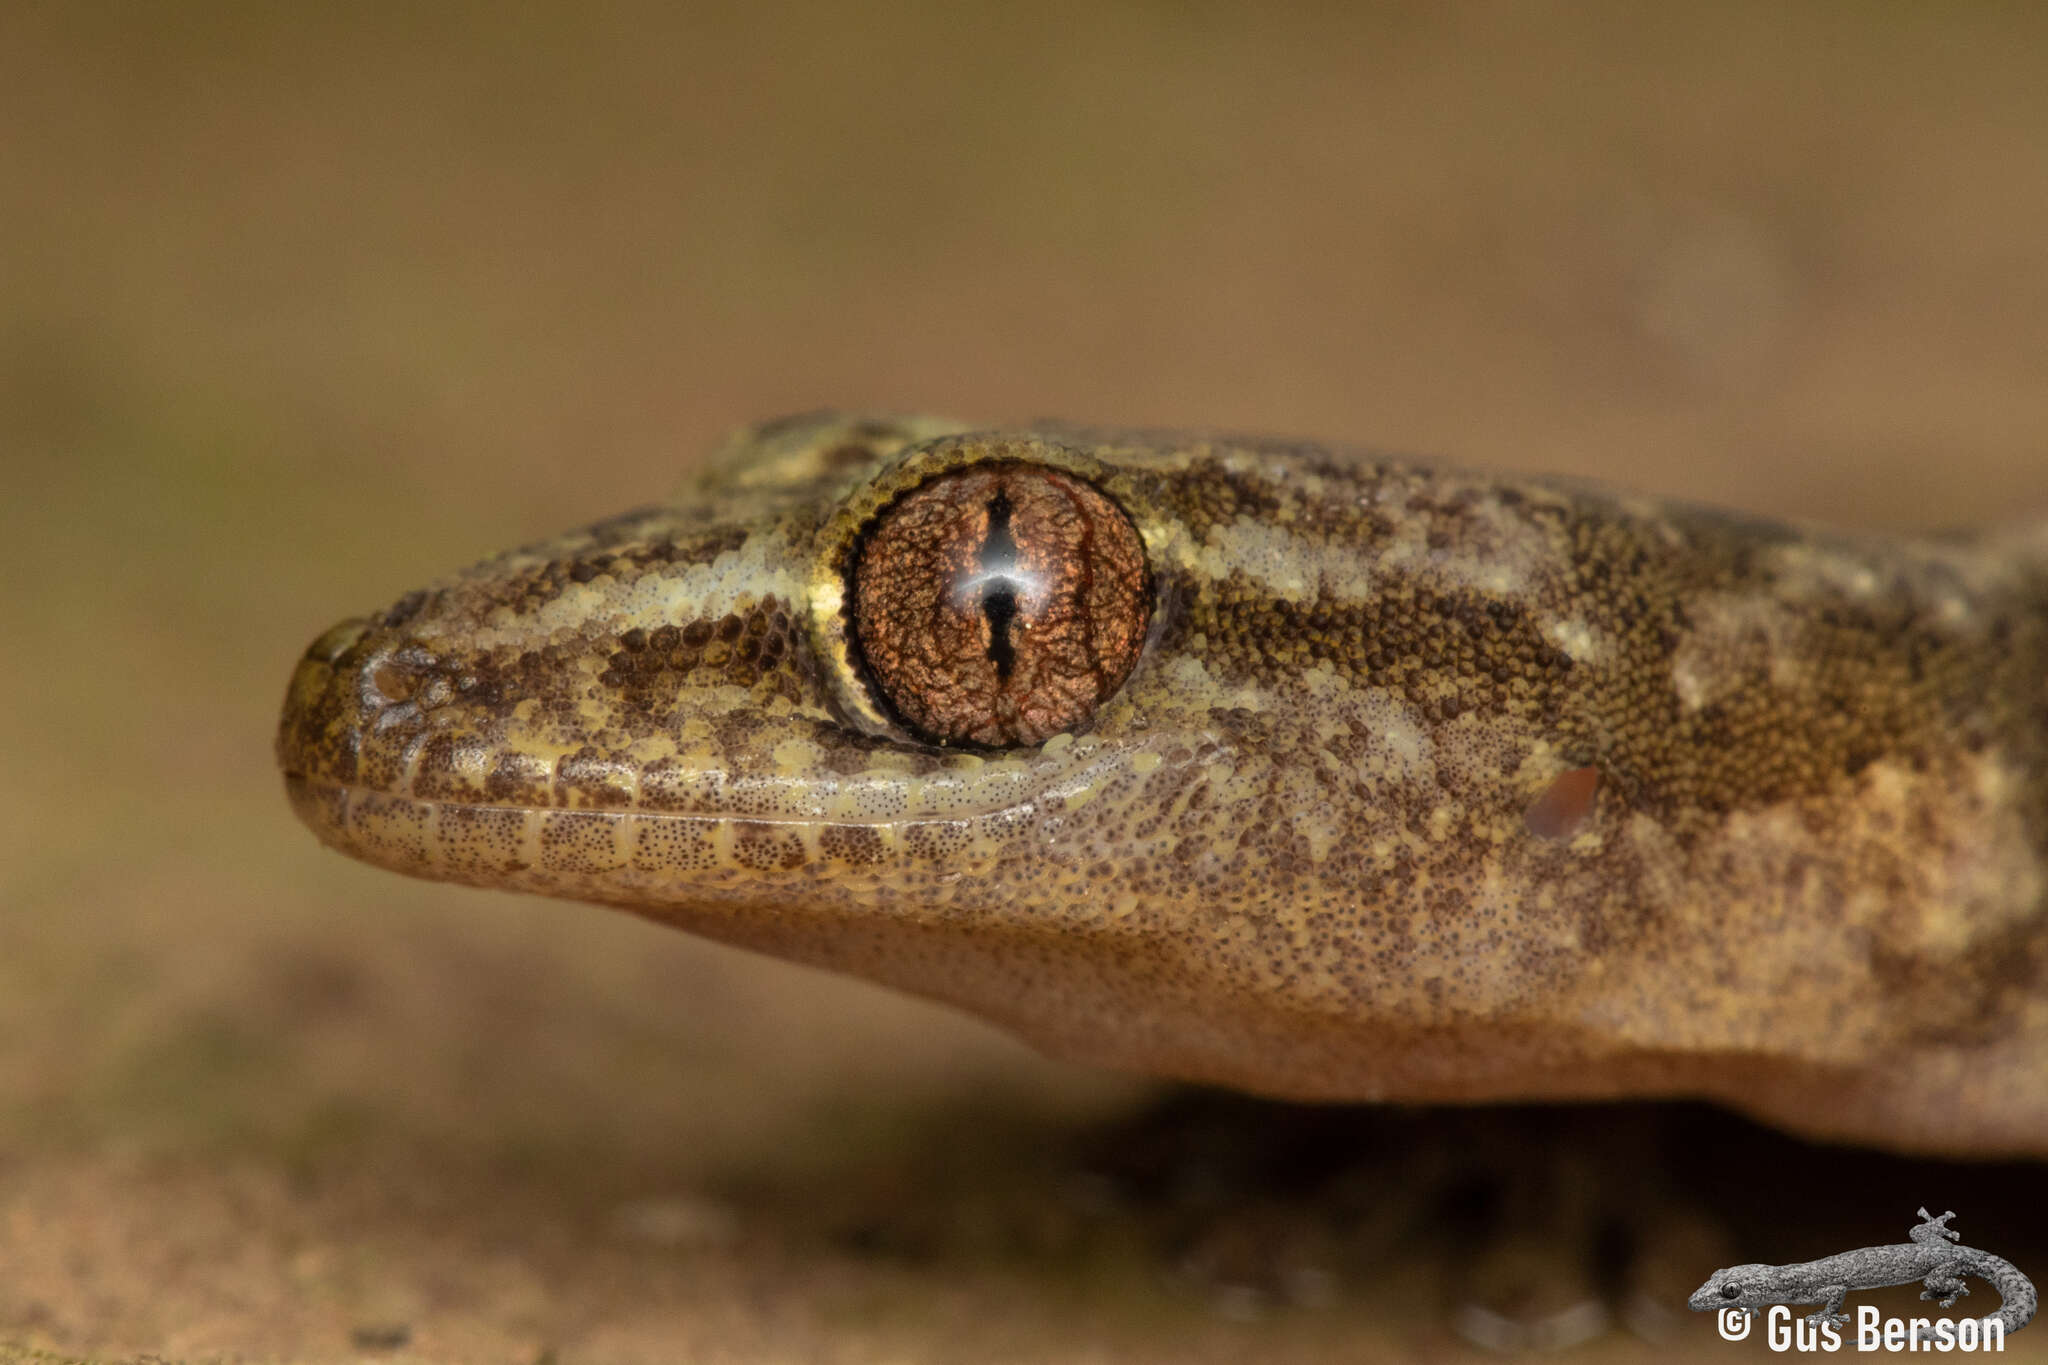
298,311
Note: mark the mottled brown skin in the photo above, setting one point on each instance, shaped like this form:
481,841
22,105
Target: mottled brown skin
1315,844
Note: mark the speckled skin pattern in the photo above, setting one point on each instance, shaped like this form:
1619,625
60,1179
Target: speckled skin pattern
1294,853
1928,1257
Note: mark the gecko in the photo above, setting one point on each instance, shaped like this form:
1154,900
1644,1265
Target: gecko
1928,1257
1310,771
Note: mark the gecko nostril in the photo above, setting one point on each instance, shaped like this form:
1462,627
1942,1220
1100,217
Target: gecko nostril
393,684
407,673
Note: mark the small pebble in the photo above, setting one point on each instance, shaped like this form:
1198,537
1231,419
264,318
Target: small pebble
1239,1302
380,1336
683,1221
1308,1286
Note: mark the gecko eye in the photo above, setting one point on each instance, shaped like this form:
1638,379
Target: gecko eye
1731,1291
999,605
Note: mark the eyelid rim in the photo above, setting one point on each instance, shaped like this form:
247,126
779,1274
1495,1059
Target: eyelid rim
826,624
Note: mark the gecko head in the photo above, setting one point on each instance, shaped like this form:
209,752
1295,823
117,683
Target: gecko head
858,657
1738,1286
1164,752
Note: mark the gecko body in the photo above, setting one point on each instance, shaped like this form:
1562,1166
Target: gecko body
1933,1255
1309,771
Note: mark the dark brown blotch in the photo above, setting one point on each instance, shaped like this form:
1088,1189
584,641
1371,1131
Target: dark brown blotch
1565,805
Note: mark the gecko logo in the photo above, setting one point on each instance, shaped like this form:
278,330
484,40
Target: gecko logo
1933,1256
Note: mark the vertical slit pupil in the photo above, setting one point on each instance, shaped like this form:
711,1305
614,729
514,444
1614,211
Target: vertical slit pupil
998,592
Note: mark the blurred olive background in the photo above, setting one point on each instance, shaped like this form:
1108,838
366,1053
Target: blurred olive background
300,308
